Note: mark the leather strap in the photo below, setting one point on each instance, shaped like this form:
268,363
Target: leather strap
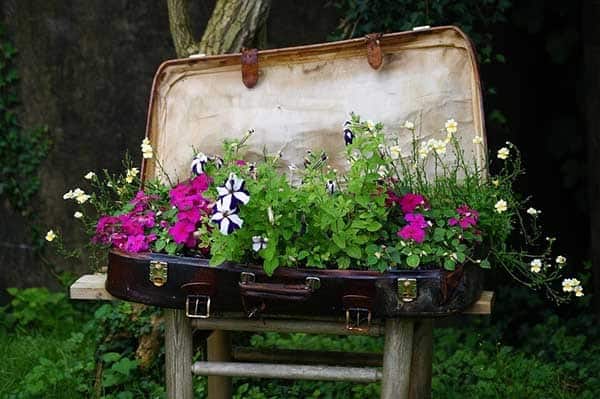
249,67
374,53
274,291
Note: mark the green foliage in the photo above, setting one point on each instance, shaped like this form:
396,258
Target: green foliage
21,151
361,17
546,355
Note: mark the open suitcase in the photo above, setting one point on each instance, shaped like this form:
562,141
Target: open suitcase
296,99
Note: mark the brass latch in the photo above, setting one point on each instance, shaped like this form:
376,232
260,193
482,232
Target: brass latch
407,289
158,272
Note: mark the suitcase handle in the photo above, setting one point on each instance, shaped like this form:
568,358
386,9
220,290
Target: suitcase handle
283,292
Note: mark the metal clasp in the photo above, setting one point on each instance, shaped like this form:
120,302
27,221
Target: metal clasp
407,289
312,283
193,302
247,277
356,317
158,272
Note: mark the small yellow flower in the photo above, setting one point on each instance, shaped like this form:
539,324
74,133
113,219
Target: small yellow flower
409,125
131,174
146,149
78,215
89,176
477,140
451,126
395,152
496,182
503,153
50,236
501,206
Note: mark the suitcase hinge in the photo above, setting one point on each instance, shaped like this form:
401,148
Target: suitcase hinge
407,289
158,272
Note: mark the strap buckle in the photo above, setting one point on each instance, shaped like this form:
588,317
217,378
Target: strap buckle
356,319
197,306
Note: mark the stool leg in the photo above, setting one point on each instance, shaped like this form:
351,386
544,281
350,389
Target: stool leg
422,354
178,355
397,357
219,350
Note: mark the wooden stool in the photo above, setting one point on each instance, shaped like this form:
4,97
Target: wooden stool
406,361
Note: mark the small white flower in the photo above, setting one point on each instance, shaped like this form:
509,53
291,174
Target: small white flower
503,153
536,265
377,255
69,195
259,242
146,149
292,167
82,198
409,125
451,126
496,182
423,151
533,211
50,236
77,192
578,291
501,206
370,124
248,133
109,185
382,171
477,140
395,152
571,285
561,260
78,215
89,176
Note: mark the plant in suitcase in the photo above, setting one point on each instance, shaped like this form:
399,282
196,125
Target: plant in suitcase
416,207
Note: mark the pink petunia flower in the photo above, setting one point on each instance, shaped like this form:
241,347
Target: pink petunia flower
412,232
182,232
409,202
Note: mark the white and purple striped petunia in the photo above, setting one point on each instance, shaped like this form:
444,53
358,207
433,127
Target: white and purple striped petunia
233,191
226,217
198,163
348,135
259,242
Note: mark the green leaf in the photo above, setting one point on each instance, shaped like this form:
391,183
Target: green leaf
339,240
111,357
374,226
439,234
343,262
485,264
413,260
449,264
216,260
159,245
354,252
270,265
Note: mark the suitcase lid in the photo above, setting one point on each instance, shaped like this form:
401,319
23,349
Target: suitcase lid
304,94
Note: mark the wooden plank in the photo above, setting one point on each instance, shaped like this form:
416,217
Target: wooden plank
421,364
91,287
355,359
219,350
397,358
288,371
178,355
284,326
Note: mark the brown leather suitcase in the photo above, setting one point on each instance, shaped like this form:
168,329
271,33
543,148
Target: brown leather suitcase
295,99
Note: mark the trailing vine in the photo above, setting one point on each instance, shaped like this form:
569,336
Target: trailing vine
21,150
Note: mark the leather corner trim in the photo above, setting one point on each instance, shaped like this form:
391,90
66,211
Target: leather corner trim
374,53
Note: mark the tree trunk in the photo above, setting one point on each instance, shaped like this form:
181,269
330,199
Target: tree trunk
591,87
233,25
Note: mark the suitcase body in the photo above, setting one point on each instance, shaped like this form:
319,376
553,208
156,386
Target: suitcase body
296,99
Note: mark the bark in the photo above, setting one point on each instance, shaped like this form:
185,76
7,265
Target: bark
234,24
591,87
